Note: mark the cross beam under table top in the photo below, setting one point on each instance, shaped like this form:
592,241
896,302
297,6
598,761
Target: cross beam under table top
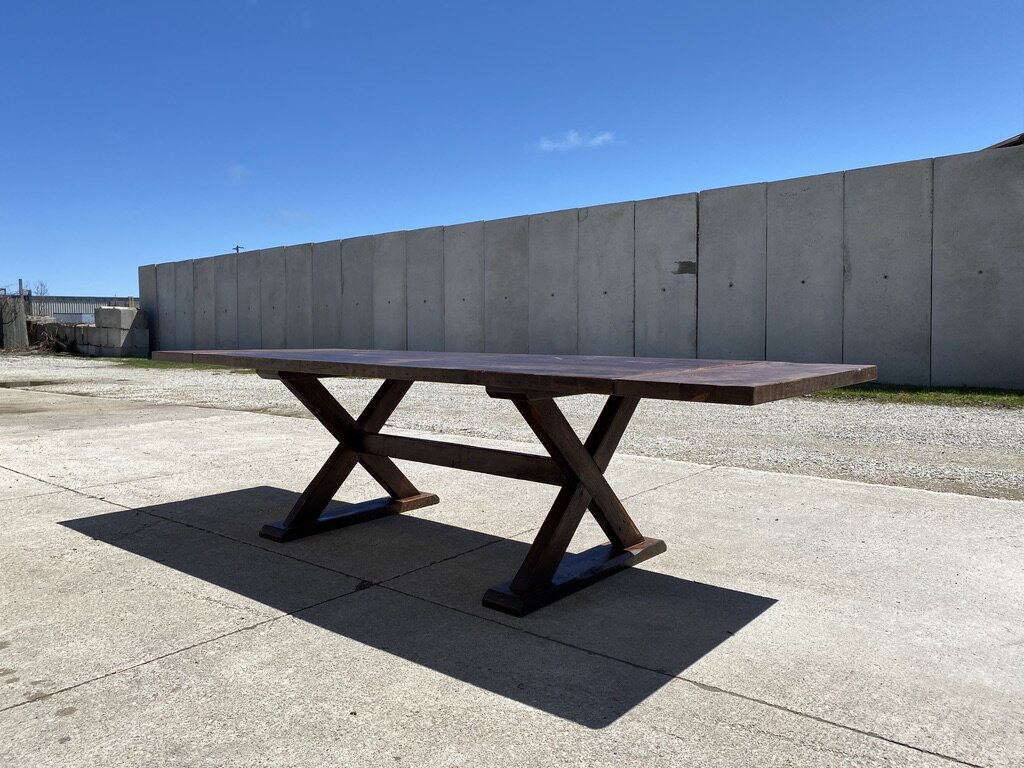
531,383
547,573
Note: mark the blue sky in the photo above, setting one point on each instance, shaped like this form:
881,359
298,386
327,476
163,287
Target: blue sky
141,131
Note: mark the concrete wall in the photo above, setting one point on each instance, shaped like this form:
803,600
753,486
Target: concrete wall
917,267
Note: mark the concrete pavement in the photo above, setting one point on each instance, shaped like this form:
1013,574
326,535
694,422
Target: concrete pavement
793,620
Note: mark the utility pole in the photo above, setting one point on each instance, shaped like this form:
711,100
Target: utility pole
237,248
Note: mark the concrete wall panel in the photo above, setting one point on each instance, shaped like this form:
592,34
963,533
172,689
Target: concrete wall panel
506,285
464,287
204,299
554,280
166,311
389,291
978,259
805,270
326,261
887,291
184,306
225,286
732,243
250,330
299,289
424,251
357,293
606,280
666,277
148,299
273,299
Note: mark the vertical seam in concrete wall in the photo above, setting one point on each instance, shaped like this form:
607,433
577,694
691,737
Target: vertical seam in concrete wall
444,283
842,293
931,278
576,277
696,282
767,216
634,280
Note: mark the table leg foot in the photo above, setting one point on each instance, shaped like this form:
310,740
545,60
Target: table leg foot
347,514
574,573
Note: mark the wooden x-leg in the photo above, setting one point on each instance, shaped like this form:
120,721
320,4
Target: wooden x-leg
548,573
307,516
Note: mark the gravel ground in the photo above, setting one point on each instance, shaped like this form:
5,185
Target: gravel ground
965,450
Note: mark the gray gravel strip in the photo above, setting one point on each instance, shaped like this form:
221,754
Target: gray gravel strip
964,450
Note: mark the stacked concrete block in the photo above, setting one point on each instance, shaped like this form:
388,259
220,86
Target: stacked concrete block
666,277
119,332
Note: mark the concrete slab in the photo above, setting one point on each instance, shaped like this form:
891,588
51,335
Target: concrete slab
554,280
225,302
299,280
326,262
273,299
73,600
977,323
507,285
425,289
464,287
733,273
666,277
15,485
606,280
804,319
250,326
184,305
357,293
397,680
887,291
204,293
148,298
389,291
163,337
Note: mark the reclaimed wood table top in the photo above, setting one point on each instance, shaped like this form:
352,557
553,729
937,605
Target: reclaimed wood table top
737,382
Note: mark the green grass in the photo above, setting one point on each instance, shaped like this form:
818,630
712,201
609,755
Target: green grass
950,396
142,362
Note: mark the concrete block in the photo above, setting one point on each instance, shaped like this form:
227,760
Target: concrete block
225,301
507,285
887,288
137,343
666,277
119,317
606,280
165,319
732,282
389,297
464,287
94,336
204,331
250,327
148,294
89,350
113,337
106,317
357,293
424,252
327,294
13,323
273,299
184,306
554,277
978,270
805,270
299,286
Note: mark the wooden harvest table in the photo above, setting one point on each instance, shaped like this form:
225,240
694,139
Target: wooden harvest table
531,383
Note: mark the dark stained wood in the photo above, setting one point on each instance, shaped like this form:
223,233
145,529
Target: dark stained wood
345,515
720,381
489,461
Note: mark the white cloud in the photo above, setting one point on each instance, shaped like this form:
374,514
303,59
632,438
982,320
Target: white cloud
239,174
289,217
574,140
